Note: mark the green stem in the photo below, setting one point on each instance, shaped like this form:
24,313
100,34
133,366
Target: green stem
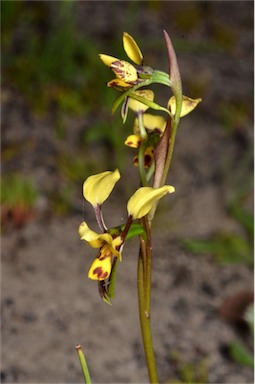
142,129
144,300
142,149
141,167
84,365
144,313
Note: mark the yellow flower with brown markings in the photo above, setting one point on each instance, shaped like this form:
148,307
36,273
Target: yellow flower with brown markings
109,247
127,74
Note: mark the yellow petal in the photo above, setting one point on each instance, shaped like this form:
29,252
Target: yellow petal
133,141
152,123
131,48
107,60
97,188
188,105
102,265
118,83
143,199
95,240
125,71
137,106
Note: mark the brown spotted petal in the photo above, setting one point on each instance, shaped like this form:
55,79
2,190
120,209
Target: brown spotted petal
102,265
125,71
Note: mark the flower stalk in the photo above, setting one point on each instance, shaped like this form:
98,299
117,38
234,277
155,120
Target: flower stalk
153,138
144,287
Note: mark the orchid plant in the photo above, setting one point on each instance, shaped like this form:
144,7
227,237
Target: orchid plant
153,139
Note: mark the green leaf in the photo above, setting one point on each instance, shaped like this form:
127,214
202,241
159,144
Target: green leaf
240,354
125,94
246,219
161,78
136,230
112,278
226,248
150,103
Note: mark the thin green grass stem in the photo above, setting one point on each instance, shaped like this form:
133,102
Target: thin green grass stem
84,365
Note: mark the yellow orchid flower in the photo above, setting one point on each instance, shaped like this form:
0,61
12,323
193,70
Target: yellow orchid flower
141,202
127,74
132,50
97,188
109,248
151,123
188,105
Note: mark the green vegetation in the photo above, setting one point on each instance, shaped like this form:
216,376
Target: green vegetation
237,350
192,373
51,63
18,197
226,247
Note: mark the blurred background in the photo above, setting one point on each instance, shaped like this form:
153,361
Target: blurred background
57,129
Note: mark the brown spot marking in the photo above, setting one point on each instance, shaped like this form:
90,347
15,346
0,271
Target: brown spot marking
118,67
100,273
147,160
157,130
